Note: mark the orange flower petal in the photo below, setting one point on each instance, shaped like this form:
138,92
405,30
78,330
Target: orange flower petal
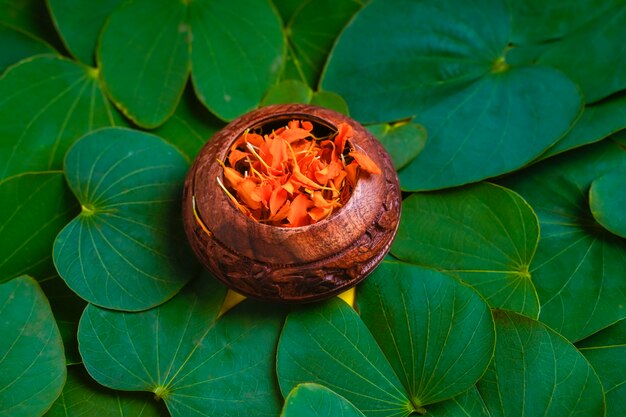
344,132
232,176
365,162
298,215
246,191
319,213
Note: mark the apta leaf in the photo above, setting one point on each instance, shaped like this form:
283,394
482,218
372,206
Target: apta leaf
607,199
313,400
17,45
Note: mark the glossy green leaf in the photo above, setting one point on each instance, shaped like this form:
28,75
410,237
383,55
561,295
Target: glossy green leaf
620,138
609,363
402,141
468,404
196,363
578,268
597,122
82,396
313,400
598,71
536,372
126,249
289,91
31,351
190,127
79,23
607,199
615,334
437,334
46,103
17,45
328,344
35,207
484,234
331,101
30,16
312,31
445,63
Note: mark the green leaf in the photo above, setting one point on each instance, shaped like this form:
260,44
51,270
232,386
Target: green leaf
437,334
313,400
607,198
576,259
30,16
328,344
468,404
331,101
17,45
289,91
609,363
190,127
536,372
445,62
31,351
35,207
81,396
615,334
599,70
46,103
312,31
198,364
79,24
126,249
403,141
484,234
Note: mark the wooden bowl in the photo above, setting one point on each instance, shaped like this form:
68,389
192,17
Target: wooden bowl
299,264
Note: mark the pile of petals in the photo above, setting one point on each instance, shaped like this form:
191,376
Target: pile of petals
291,178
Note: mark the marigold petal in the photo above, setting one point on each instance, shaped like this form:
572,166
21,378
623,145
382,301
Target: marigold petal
365,162
298,214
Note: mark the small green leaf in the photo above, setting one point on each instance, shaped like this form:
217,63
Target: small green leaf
328,344
536,372
331,101
289,91
403,141
578,267
17,45
196,363
79,23
484,234
81,396
313,400
468,404
126,249
35,207
607,198
437,334
46,103
609,363
31,351
30,16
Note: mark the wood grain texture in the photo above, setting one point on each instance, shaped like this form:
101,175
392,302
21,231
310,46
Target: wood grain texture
291,265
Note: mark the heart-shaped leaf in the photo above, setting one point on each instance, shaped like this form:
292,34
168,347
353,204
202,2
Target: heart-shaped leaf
17,45
146,53
46,103
609,363
403,141
331,101
81,396
126,249
289,91
445,62
576,259
31,351
607,198
536,372
484,234
35,207
313,400
79,24
438,335
198,364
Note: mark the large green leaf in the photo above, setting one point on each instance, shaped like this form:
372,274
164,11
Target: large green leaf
607,199
328,344
599,70
536,372
615,334
468,404
313,400
81,396
198,364
46,103
437,334
289,91
609,363
35,207
403,141
79,24
146,54
484,234
31,351
126,249
30,16
445,63
579,266
17,45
